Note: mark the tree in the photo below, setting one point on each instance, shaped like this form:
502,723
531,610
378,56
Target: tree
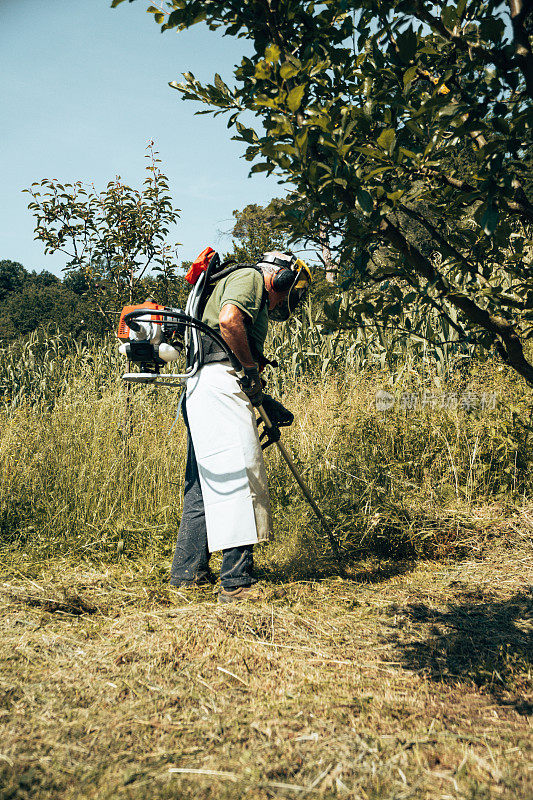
393,121
12,277
257,230
114,237
32,300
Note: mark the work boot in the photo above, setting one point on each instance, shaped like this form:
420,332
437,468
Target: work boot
241,594
201,582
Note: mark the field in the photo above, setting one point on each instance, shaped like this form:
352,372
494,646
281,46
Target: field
407,677
407,680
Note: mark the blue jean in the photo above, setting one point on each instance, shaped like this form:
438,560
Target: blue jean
191,556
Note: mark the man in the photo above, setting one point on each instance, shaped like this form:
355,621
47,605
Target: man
226,504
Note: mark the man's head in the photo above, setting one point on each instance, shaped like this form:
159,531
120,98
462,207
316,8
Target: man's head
287,280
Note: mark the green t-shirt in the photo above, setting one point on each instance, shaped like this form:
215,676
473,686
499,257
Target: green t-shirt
244,289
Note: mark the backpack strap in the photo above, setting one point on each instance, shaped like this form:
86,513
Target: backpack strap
264,298
213,266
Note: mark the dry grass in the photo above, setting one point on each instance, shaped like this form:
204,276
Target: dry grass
409,680
402,484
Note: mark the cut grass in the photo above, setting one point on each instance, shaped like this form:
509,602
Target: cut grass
410,680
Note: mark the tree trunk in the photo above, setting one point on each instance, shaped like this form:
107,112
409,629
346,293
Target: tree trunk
507,341
326,255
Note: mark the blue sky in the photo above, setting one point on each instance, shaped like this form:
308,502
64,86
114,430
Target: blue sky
83,87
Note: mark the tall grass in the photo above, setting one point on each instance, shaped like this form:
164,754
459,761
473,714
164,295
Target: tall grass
394,481
48,365
304,347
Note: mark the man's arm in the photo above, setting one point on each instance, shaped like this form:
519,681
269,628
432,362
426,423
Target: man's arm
233,331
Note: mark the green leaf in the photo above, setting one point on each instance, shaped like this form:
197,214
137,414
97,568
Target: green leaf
232,119
491,29
407,42
489,220
409,153
387,139
369,151
294,98
288,70
449,16
262,167
364,201
272,54
409,75
501,125
301,139
379,171
395,195
461,5
262,70
448,110
219,83
248,134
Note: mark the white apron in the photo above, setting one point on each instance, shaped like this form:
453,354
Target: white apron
230,460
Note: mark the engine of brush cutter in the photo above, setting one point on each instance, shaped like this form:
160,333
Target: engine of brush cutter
151,340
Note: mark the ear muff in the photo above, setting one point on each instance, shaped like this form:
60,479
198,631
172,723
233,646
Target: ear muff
283,280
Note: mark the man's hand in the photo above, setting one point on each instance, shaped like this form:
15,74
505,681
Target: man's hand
252,385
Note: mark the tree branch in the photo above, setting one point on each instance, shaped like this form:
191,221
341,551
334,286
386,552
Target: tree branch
522,206
494,56
437,235
509,345
524,56
456,254
433,303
